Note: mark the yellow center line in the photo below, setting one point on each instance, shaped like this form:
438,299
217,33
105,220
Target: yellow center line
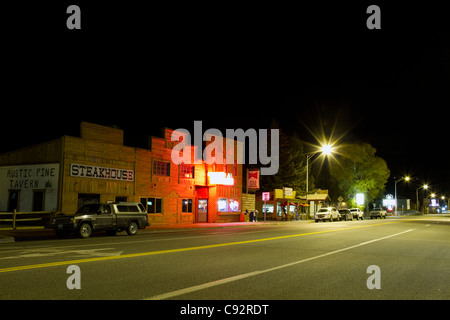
149,253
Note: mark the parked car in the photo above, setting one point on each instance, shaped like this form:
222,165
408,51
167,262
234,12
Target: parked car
327,213
109,217
357,213
345,214
378,213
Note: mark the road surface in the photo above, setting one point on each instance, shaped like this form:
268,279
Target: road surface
397,258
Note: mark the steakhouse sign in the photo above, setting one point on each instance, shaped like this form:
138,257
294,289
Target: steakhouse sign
86,171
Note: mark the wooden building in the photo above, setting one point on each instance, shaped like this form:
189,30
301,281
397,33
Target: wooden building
280,206
63,174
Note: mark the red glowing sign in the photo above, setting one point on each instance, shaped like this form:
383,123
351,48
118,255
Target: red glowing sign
220,178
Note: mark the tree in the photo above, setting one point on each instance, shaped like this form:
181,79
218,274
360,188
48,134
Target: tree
359,170
292,164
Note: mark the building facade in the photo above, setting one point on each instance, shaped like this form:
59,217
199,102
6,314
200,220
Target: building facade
63,174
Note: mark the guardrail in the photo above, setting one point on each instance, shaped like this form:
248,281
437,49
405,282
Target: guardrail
25,220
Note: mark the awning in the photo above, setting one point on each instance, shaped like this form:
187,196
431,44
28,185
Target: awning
283,204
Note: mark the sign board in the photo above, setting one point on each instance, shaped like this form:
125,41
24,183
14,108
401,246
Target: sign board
434,203
221,178
360,199
87,171
389,201
340,199
25,181
265,196
288,192
253,179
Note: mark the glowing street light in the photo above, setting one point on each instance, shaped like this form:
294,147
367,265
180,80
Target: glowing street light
395,184
425,187
326,150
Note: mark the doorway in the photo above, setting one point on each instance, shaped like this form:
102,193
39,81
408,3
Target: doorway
13,200
38,200
202,210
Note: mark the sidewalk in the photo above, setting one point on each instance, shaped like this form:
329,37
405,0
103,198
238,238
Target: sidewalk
42,234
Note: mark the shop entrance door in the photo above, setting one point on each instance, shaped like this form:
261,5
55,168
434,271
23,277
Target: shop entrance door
202,210
13,200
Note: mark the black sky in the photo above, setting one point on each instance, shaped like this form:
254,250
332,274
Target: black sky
143,68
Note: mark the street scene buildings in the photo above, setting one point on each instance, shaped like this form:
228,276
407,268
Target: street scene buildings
63,174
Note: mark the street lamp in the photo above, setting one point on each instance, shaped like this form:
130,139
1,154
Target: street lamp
395,184
425,186
326,150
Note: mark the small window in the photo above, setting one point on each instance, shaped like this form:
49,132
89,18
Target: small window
106,209
223,204
186,171
122,208
154,205
186,205
234,205
161,168
133,208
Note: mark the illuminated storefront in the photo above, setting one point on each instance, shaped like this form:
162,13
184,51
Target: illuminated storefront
98,167
281,205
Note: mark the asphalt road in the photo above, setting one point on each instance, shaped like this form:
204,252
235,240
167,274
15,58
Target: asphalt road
295,260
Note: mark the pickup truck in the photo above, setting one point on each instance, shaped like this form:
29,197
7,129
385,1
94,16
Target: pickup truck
357,213
377,213
110,217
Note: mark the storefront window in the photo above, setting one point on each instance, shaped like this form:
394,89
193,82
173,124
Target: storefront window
186,205
234,205
223,204
153,205
269,208
292,209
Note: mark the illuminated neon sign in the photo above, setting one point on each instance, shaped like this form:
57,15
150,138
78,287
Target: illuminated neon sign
221,178
360,199
389,202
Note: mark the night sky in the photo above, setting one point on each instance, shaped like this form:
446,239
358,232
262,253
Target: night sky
317,67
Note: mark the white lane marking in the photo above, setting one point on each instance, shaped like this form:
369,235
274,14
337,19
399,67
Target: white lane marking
180,292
